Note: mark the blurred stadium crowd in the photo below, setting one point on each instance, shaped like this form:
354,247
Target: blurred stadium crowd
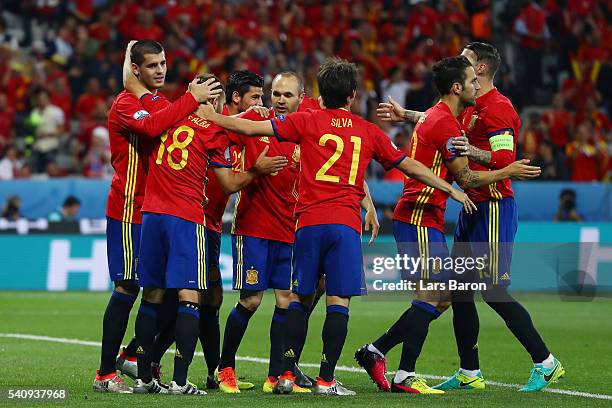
60,67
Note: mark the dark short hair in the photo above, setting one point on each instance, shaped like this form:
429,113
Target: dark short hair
488,54
298,78
568,192
241,82
448,71
143,47
71,200
205,77
337,80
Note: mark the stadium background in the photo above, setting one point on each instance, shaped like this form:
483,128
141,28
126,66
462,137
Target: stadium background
557,70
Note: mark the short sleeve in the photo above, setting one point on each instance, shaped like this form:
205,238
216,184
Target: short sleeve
444,139
219,153
291,127
385,152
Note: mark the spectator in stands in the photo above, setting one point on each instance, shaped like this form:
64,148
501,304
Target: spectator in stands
567,207
396,86
88,101
532,31
10,164
551,162
558,122
600,120
48,122
531,137
12,208
587,154
7,121
97,162
69,211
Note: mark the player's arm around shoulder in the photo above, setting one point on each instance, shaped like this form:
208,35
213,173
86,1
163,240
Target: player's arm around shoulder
234,124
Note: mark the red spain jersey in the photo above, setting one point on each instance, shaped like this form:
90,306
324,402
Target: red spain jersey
309,103
265,208
216,199
431,144
178,165
492,124
129,126
336,147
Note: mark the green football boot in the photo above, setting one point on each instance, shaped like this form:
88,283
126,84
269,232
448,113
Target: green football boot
541,376
460,381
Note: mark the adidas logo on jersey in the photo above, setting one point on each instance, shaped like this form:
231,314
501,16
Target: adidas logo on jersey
505,276
139,350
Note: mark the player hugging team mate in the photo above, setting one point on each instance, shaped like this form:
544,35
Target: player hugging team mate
418,223
132,130
492,127
336,148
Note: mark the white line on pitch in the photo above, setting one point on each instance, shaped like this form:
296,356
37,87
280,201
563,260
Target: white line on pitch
308,365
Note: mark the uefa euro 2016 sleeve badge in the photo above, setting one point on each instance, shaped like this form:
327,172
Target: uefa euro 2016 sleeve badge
252,276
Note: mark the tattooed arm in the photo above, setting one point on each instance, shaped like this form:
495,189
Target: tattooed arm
467,178
392,112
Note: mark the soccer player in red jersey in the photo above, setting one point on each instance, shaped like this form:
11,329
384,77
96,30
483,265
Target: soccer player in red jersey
418,224
131,130
173,241
262,236
492,126
336,147
244,90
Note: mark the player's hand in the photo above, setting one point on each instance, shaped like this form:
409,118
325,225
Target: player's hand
206,110
127,64
268,165
390,111
520,170
371,221
262,110
205,91
461,145
464,200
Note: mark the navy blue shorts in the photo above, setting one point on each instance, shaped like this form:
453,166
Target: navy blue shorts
172,253
488,233
213,240
426,250
122,249
333,250
261,264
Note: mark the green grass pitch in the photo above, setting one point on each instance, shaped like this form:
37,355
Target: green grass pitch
578,333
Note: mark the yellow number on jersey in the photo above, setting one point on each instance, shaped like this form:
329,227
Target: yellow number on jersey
322,173
176,144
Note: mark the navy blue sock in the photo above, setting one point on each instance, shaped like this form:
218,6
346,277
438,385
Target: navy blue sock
186,333
335,330
146,329
466,327
115,323
277,341
396,333
166,322
210,336
417,328
237,323
295,333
